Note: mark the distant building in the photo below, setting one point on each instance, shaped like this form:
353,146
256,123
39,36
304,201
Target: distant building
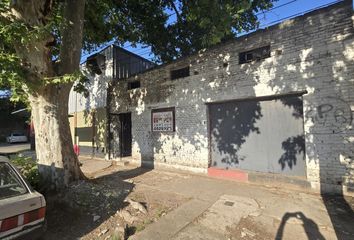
88,114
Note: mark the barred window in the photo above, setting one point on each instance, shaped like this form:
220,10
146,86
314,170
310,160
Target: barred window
180,73
254,55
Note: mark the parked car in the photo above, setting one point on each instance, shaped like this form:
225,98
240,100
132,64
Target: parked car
22,210
16,137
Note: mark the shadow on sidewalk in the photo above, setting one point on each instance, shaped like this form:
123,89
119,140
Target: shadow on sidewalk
310,227
132,173
341,215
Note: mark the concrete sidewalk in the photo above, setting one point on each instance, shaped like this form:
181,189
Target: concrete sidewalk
221,209
92,167
8,149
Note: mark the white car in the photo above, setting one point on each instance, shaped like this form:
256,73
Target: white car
16,137
22,210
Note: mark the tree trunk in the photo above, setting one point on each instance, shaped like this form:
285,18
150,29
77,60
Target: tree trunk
57,162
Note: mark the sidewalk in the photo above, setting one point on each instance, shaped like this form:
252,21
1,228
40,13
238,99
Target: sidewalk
92,167
8,149
221,209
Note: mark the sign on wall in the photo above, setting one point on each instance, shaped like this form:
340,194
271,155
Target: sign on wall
163,120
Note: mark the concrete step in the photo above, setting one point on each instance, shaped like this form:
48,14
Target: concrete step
259,178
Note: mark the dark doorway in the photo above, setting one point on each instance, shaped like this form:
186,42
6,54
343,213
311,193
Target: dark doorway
125,120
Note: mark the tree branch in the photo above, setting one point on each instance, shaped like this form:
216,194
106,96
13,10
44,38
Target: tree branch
173,5
34,14
72,35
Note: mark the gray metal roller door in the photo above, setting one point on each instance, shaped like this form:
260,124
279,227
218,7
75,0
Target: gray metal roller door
260,135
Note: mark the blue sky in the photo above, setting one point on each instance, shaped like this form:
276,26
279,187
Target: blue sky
283,9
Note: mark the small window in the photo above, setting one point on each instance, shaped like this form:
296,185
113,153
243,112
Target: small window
133,85
254,55
180,73
96,63
163,120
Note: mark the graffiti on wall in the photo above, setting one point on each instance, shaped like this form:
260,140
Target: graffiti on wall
334,115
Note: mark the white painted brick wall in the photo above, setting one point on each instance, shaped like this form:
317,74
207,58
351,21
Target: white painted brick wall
317,57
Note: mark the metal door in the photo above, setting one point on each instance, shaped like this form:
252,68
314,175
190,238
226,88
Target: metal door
264,135
125,134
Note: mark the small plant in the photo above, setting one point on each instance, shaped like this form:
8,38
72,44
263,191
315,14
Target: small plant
160,212
148,221
115,236
140,227
29,169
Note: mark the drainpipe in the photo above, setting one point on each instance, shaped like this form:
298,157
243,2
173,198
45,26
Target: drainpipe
76,144
108,126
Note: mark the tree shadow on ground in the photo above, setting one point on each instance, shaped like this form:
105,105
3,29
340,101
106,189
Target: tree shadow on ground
310,227
132,173
79,210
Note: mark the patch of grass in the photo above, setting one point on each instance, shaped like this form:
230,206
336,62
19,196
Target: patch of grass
29,169
148,221
160,212
140,227
115,236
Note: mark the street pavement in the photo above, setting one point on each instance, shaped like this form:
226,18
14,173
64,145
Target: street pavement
6,148
221,209
90,166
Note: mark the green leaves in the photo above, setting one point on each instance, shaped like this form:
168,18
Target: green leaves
199,24
29,169
203,23
67,78
11,72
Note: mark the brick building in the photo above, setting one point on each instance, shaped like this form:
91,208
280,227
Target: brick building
278,101
87,113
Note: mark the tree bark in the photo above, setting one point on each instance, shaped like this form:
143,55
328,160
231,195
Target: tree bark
58,164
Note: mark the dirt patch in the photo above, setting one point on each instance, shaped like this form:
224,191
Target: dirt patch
108,207
248,229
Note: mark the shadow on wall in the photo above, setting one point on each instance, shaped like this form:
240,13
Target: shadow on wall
159,147
264,134
296,104
93,126
310,227
293,146
324,67
240,120
319,63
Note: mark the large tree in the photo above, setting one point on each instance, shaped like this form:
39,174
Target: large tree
41,43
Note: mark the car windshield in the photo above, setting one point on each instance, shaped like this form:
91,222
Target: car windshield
17,134
10,183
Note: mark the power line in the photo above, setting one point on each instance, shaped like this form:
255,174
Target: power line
144,52
264,12
174,13
276,7
300,13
